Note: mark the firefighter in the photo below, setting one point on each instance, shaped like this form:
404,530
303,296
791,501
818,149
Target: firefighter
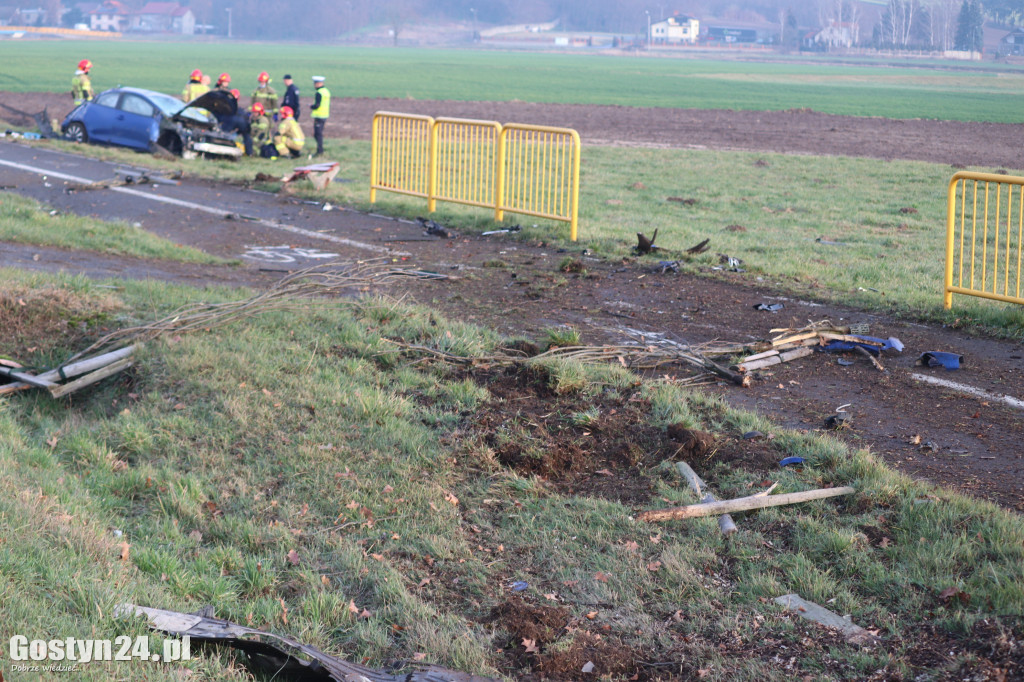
224,82
81,86
195,87
289,137
320,111
259,126
265,95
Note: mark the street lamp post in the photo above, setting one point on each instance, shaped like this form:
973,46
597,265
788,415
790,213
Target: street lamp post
473,11
648,28
228,10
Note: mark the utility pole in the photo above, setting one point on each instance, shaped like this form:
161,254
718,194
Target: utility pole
228,10
647,12
473,10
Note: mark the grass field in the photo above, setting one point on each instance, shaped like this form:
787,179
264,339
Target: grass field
981,94
297,475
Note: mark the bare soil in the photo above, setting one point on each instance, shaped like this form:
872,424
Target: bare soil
970,444
799,131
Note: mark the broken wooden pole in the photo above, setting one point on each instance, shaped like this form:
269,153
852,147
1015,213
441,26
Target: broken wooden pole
767,359
73,369
58,390
741,504
697,485
819,614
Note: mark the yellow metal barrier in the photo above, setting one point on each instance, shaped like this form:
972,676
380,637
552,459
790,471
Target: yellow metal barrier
533,170
465,162
401,155
984,237
540,171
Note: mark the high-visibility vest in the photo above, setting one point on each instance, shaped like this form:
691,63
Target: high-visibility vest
194,89
81,88
267,97
289,136
260,126
324,110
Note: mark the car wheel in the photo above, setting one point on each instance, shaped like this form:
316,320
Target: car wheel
171,143
76,132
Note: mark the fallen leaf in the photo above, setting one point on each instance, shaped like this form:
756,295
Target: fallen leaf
352,608
631,546
570,583
378,557
52,442
352,505
195,536
418,656
454,501
293,557
592,615
531,645
552,596
387,489
266,392
884,542
604,472
601,576
654,566
915,439
325,580
365,613
423,583
125,549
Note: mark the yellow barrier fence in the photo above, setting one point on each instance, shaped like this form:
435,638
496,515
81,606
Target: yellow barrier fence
402,154
531,170
984,237
465,162
541,173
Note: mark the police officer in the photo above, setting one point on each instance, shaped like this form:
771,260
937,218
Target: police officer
289,138
194,88
81,86
321,111
291,96
265,95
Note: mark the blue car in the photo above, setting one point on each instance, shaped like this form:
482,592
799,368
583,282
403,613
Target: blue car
151,121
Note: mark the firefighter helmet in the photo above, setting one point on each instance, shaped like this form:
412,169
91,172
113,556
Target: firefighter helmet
286,112
196,75
223,79
236,94
264,77
85,65
257,108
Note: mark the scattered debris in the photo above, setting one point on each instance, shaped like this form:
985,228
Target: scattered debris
519,585
699,248
791,460
770,307
741,504
829,242
319,174
840,420
277,654
669,266
751,435
843,362
681,200
435,229
938,358
854,634
128,176
89,370
697,485
645,245
769,358
511,229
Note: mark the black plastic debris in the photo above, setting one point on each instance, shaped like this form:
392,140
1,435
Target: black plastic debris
669,266
938,358
840,420
770,307
435,229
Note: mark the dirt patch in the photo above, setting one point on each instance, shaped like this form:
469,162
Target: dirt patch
38,321
796,131
581,443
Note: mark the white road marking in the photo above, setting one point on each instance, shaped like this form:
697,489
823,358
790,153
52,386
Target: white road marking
285,254
206,209
970,390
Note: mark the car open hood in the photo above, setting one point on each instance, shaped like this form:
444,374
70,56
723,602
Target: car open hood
217,102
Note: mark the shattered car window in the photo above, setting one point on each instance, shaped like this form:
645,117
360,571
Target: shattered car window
171,106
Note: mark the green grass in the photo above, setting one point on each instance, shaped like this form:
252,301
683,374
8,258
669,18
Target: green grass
951,90
230,449
24,221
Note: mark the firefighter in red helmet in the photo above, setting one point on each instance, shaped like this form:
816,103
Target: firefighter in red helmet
194,88
265,95
224,82
81,86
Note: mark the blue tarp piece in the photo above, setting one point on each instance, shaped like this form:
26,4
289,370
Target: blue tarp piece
791,460
938,358
871,344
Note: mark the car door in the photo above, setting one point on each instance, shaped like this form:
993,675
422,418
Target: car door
100,115
135,124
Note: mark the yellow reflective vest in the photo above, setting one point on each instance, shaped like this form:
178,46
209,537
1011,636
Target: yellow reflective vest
267,97
324,110
81,88
260,126
289,136
192,90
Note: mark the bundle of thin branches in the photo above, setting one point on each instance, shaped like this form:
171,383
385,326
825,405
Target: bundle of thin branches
629,356
320,281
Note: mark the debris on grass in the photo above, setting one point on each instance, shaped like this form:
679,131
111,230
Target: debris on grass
278,654
937,358
741,504
432,228
854,634
699,248
645,245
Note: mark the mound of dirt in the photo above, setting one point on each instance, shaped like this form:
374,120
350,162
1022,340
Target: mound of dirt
37,321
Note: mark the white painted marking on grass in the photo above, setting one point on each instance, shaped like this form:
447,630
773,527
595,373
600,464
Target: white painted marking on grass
206,209
970,390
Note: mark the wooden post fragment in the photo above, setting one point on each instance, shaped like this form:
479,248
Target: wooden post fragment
73,369
697,485
741,504
59,390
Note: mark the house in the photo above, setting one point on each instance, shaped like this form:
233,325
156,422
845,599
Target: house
164,17
110,16
675,30
838,34
1012,42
